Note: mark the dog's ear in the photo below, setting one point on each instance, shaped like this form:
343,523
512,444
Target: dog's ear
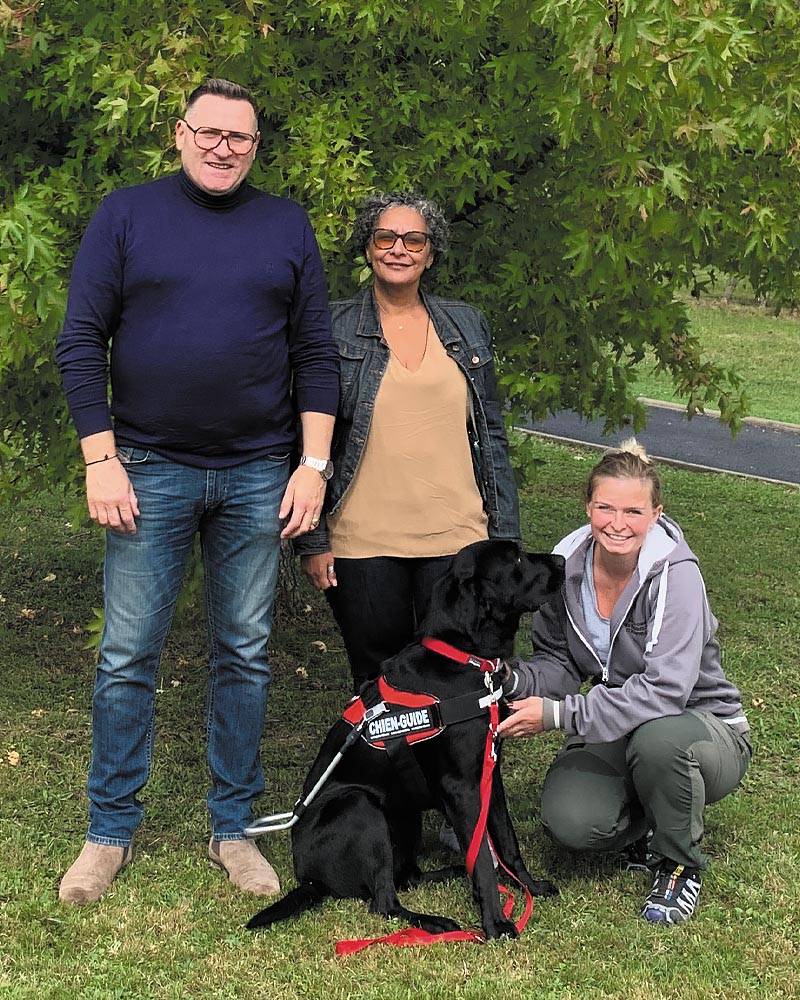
465,562
489,557
455,602
470,599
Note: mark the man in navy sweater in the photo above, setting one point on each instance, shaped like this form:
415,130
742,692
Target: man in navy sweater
213,300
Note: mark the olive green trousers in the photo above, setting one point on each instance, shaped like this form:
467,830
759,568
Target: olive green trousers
605,796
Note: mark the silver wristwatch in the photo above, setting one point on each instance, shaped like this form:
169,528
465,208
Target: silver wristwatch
323,466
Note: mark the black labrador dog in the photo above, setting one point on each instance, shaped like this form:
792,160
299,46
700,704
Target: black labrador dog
359,836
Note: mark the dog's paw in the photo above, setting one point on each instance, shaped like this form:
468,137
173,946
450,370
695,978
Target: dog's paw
439,925
500,929
542,887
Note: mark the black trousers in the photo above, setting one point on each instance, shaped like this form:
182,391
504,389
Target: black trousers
378,606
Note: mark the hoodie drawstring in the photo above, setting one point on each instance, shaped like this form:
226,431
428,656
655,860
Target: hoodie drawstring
660,603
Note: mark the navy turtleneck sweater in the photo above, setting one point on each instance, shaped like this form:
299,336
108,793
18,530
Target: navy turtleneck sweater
216,311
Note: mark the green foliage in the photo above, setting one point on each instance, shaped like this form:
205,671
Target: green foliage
594,157
762,347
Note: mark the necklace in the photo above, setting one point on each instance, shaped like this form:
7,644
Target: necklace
408,315
410,357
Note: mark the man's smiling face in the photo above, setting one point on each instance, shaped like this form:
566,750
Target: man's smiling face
216,171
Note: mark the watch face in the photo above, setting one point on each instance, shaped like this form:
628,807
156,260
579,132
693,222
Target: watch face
324,468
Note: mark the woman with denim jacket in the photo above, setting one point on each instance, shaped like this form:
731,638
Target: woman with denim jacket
420,454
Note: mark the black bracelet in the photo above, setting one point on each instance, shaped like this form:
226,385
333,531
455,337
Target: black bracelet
105,458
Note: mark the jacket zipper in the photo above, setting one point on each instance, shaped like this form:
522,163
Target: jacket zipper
588,645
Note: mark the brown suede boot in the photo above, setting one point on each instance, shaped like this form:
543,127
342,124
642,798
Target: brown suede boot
244,865
92,872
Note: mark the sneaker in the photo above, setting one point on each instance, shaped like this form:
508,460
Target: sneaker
448,839
674,894
637,855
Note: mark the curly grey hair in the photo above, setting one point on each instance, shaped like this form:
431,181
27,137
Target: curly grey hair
374,207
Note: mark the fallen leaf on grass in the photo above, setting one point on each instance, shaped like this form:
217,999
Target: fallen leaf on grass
13,758
28,613
302,672
320,645
39,713
49,578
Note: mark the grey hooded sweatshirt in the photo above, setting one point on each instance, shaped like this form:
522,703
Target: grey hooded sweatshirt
664,656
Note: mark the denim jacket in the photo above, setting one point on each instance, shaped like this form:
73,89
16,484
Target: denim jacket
364,356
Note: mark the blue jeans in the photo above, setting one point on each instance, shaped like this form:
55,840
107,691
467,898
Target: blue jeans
235,511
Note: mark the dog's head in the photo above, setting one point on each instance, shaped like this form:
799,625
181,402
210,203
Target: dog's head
478,603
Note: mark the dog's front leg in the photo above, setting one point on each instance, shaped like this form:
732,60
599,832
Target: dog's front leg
504,840
406,831
462,810
484,888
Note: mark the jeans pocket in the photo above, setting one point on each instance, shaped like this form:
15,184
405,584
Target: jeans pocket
132,456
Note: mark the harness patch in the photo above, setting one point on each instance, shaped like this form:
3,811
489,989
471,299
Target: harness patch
398,715
400,722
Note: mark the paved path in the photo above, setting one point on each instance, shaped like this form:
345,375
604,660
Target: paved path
762,449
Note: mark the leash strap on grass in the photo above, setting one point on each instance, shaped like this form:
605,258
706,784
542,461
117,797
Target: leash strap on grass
408,936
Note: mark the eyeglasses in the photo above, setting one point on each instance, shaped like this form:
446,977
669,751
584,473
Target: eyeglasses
385,239
209,138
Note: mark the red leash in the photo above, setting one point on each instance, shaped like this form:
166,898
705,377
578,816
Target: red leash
406,937
416,935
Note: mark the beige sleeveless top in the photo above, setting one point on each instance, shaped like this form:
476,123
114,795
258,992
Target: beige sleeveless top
414,492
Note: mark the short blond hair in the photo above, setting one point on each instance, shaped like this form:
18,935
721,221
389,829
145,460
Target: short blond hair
628,461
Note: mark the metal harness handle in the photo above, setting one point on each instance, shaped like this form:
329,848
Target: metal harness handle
286,820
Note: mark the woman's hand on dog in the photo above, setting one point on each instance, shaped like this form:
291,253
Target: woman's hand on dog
525,718
319,570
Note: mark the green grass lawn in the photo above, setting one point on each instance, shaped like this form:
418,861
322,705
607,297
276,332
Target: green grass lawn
764,349
171,927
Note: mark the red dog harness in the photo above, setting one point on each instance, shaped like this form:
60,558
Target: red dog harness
416,717
394,714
